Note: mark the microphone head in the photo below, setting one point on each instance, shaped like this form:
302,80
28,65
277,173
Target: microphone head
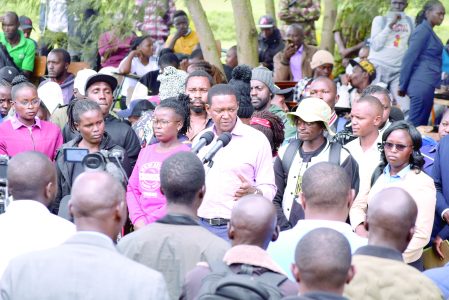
225,138
208,136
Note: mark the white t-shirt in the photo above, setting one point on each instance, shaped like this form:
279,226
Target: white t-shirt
137,68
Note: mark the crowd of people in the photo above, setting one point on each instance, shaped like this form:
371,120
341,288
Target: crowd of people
163,176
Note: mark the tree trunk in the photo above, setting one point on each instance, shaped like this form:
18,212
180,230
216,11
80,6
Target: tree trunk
270,9
327,36
205,34
246,33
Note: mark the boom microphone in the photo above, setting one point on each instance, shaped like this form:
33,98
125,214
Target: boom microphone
205,140
222,141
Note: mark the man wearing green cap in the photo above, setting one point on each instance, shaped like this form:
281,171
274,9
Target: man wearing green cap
311,119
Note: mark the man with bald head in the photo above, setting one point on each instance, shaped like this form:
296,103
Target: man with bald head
326,201
366,118
174,244
19,48
381,271
325,88
322,272
87,263
251,229
27,224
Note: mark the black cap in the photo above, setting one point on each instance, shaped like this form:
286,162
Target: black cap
8,73
101,78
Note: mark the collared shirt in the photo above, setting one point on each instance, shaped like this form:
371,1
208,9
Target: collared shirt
248,154
394,178
22,53
283,250
16,137
378,251
184,44
296,64
26,226
368,161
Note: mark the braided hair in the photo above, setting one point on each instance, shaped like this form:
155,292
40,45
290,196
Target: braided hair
4,83
19,82
274,133
181,106
429,5
77,107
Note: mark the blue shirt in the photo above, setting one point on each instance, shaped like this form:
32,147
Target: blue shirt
398,177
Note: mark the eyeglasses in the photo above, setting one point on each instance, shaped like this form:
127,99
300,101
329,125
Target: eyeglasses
399,147
34,102
162,123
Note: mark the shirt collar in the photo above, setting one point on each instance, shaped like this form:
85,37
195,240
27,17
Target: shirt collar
16,124
399,175
237,130
300,49
251,255
381,252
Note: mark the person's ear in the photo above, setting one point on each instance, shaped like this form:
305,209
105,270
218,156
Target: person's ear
66,66
121,213
295,272
49,190
302,200
275,235
351,274
410,234
366,225
351,197
70,206
77,127
377,120
162,191
231,231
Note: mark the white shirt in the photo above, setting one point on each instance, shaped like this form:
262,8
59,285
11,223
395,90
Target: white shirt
137,68
283,249
27,226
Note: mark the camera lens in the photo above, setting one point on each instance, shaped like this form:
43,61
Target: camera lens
93,161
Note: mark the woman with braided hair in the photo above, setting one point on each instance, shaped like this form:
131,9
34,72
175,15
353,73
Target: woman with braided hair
25,131
271,126
86,118
170,120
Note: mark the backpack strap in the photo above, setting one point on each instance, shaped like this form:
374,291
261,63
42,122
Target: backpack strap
272,278
289,155
334,153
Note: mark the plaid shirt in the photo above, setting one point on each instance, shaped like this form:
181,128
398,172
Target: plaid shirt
301,89
158,15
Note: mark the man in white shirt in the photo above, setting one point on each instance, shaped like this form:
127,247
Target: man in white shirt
27,224
366,117
326,201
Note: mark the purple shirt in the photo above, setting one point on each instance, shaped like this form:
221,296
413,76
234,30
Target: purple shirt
144,197
16,137
296,64
247,154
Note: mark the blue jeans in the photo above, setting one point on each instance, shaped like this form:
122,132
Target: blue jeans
220,231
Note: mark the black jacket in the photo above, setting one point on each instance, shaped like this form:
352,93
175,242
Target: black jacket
269,47
65,169
121,134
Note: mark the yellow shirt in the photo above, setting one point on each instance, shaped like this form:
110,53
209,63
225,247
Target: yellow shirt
184,44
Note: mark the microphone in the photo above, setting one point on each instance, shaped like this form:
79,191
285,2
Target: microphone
205,140
222,141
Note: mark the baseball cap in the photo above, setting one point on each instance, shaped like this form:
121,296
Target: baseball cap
8,73
321,57
136,108
25,22
366,66
81,78
313,110
266,22
101,78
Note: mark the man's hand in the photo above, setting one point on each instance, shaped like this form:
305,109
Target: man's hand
289,51
245,188
136,53
446,217
436,246
360,230
394,21
180,33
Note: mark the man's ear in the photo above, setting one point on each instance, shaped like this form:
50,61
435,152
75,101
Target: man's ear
77,127
231,231
162,191
351,274
411,232
351,197
295,272
275,235
377,120
49,190
302,200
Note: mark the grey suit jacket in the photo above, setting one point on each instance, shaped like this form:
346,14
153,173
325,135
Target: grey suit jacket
87,266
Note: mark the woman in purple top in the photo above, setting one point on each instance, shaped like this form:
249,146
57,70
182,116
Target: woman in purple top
25,131
146,203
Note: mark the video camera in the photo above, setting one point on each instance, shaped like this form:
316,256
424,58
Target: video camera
4,197
104,160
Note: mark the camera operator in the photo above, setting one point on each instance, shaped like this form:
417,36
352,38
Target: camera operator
86,117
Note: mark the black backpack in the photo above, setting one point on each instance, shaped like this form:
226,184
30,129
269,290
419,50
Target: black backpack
223,284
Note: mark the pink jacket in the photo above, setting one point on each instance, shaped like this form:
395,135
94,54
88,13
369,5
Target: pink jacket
43,137
144,198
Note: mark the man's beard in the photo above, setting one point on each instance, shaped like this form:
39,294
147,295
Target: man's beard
197,109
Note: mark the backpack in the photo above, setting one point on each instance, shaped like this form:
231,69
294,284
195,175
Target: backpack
223,284
293,146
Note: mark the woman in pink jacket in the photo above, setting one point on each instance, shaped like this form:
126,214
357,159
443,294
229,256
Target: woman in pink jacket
146,203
